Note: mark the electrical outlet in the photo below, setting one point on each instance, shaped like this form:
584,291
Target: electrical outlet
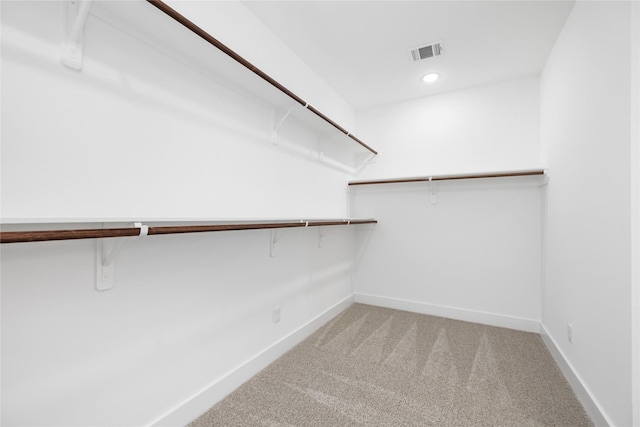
276,315
570,332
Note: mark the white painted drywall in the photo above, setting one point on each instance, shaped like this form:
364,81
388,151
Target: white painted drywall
474,255
139,133
234,25
486,128
185,312
585,129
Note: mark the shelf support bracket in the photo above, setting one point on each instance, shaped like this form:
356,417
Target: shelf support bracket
325,142
106,254
433,198
76,16
277,120
273,240
365,163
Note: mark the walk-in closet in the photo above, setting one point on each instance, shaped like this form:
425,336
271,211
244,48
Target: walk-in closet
295,213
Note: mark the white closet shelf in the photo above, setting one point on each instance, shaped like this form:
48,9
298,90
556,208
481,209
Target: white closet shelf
501,174
166,227
191,44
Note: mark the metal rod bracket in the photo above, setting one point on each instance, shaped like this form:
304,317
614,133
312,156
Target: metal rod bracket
370,158
273,240
76,15
433,198
107,250
277,120
106,253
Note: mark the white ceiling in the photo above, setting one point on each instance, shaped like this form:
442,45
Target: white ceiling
361,48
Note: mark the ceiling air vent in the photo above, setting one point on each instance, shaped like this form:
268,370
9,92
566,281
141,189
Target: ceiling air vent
428,51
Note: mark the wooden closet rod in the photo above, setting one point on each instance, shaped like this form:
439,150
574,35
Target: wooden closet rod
41,236
224,48
450,177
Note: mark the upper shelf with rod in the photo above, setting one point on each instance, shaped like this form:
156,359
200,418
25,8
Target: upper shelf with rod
528,172
431,180
106,254
139,229
249,66
187,41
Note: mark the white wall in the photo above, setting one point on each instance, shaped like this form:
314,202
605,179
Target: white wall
185,313
585,129
141,133
232,24
486,128
474,255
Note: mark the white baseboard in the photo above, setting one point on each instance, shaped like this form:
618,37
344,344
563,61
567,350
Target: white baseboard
197,404
583,394
510,322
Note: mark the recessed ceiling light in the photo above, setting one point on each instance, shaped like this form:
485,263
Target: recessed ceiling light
430,78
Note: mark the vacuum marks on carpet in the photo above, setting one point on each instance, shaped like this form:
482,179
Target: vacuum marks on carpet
381,367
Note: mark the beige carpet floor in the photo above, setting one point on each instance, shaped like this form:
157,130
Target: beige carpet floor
374,366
